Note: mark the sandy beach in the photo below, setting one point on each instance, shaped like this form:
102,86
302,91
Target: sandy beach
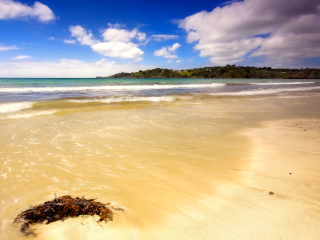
212,181
284,160
160,120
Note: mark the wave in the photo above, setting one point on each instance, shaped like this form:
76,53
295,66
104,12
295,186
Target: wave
127,99
103,88
14,107
29,115
281,83
264,91
237,84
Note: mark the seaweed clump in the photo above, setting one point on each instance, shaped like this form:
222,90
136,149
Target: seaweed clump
62,208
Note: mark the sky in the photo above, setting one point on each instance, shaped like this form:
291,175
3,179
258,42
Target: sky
59,38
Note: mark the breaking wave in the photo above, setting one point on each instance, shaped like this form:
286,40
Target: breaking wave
14,107
127,99
113,88
281,83
264,91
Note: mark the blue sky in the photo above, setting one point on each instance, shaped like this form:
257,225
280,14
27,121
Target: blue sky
87,38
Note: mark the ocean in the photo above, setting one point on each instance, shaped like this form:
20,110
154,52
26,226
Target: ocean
165,150
28,97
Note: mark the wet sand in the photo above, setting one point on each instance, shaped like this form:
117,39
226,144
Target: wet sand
190,171
285,161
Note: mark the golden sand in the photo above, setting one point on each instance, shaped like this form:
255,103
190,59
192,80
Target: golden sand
200,171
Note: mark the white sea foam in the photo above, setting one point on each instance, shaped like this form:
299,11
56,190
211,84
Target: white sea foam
281,83
14,107
29,115
264,91
112,88
127,99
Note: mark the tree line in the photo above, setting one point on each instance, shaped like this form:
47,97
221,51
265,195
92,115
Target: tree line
228,71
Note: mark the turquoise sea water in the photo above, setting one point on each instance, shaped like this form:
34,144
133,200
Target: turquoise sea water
36,89
52,94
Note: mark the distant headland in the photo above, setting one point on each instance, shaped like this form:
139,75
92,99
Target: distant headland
228,71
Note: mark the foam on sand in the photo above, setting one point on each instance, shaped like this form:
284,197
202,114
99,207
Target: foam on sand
14,107
29,115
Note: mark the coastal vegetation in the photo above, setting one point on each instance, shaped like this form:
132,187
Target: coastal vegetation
228,71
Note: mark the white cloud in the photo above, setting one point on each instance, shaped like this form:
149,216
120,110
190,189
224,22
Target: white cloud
66,68
3,48
141,36
169,61
20,57
178,61
163,37
122,35
117,42
10,9
119,35
167,52
174,47
278,30
51,38
69,41
117,49
82,36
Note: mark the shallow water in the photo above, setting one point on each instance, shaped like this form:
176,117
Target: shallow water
150,161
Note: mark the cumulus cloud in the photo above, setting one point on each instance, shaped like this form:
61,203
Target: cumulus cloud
119,35
116,42
167,52
10,9
122,35
141,36
20,57
178,61
277,30
174,47
163,37
117,49
84,37
4,48
72,68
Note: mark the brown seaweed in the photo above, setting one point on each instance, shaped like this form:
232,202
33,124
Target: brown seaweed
62,208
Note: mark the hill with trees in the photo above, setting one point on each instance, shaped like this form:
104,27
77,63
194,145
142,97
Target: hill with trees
228,71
